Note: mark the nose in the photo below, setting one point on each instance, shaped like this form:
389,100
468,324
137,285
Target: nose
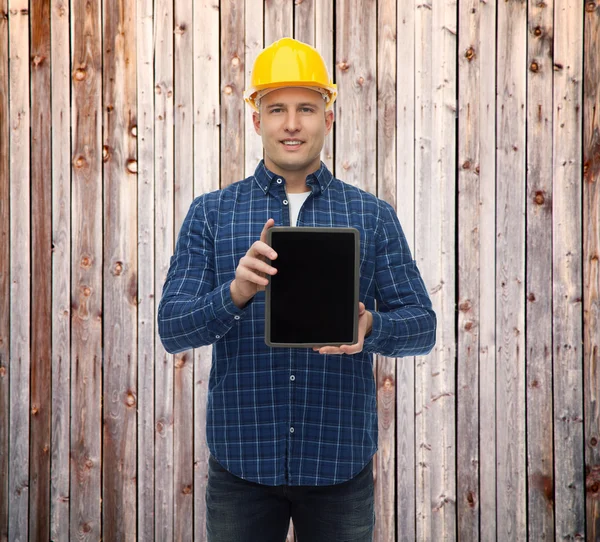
292,122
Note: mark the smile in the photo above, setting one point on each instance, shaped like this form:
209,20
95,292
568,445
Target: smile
292,142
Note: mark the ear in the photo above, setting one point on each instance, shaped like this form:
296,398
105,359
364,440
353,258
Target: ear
328,121
256,121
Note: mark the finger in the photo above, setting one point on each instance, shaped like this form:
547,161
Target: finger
256,264
260,248
361,308
268,224
247,275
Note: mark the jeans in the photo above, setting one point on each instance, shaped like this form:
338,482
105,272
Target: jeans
242,511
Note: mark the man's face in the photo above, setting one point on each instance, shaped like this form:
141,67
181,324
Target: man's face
293,124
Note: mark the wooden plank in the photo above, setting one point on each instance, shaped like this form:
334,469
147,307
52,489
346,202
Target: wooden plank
405,200
385,368
146,298
434,247
510,271
120,272
4,270
164,233
357,100
540,448
232,88
487,272
569,486
86,266
304,21
591,268
254,22
279,20
206,179
61,271
41,280
469,263
20,268
183,399
325,44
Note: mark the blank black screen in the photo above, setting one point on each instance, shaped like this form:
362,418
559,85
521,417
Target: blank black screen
312,296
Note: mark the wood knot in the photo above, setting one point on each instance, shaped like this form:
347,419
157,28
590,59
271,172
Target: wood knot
534,67
388,384
157,89
35,410
534,384
187,489
593,441
2,371
110,108
130,399
86,262
228,90
343,65
469,326
590,7
465,306
80,74
117,269
466,164
86,291
131,166
133,131
470,54
531,297
471,499
79,162
37,60
105,153
181,29
558,67
539,198
235,61
86,528
89,463
537,31
360,81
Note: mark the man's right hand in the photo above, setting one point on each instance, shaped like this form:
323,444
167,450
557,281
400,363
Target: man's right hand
250,274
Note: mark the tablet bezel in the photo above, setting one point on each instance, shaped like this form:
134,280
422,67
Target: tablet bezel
315,230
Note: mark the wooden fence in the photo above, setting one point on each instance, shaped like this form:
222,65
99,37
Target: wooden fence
478,120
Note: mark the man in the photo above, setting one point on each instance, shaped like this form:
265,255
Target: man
291,432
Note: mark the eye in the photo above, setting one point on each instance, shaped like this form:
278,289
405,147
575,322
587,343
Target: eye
306,110
276,110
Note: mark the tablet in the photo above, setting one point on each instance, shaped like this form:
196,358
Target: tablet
313,298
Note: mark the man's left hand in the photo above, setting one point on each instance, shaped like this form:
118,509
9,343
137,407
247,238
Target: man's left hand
365,323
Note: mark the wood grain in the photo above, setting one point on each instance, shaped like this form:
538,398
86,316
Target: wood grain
510,271
145,282
4,269
20,269
569,480
540,449
86,266
232,89
41,280
164,498
279,20
120,272
469,264
591,269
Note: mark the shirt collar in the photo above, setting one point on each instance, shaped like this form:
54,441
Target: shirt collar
318,181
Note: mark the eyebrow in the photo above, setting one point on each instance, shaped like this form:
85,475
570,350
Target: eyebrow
302,104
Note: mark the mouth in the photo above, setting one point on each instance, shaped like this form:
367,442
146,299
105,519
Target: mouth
292,144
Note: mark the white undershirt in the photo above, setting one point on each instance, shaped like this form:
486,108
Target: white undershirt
296,201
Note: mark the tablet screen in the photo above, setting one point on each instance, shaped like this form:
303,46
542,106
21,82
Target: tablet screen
313,298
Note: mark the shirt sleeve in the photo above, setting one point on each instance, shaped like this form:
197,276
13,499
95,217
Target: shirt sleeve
404,323
194,311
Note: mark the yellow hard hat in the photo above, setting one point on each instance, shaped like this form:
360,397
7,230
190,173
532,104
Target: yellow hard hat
289,63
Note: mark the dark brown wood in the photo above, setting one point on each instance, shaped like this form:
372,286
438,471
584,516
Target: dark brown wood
4,269
119,451
540,449
41,278
86,266
591,265
233,108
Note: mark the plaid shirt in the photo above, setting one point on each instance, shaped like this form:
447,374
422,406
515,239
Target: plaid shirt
290,415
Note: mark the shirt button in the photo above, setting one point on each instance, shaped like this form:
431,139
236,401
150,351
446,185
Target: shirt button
291,429
285,202
279,181
236,317
217,336
292,378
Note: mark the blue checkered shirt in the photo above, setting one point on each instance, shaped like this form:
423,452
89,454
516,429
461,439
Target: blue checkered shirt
290,415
